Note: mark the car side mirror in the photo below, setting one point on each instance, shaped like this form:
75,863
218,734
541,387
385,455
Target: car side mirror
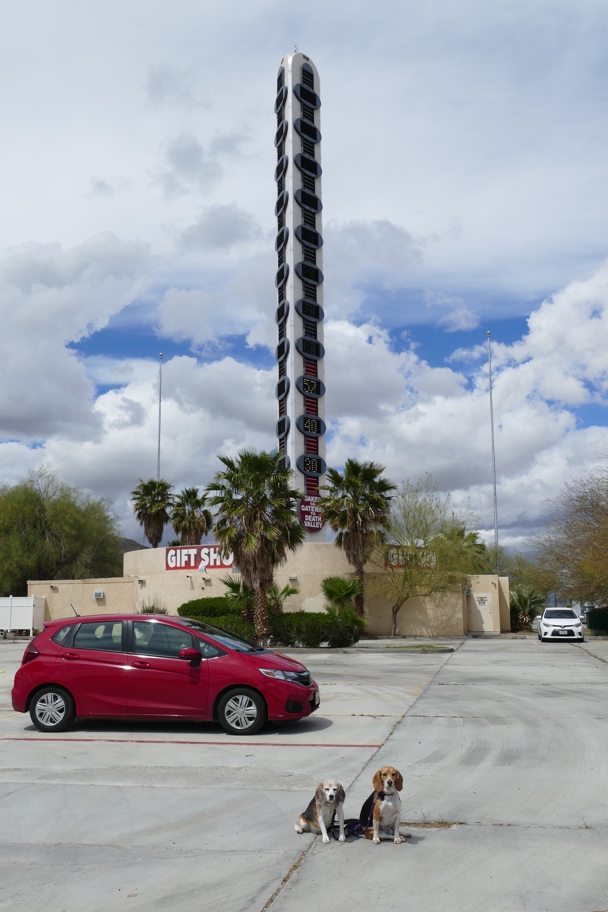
192,655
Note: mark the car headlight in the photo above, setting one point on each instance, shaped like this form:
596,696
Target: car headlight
281,675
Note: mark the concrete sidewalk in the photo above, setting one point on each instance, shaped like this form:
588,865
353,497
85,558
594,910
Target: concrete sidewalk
506,738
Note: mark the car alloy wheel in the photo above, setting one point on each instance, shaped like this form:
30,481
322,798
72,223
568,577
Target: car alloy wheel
52,709
242,711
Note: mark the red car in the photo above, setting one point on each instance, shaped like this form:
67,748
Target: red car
157,667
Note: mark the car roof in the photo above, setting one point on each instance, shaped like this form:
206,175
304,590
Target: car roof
113,617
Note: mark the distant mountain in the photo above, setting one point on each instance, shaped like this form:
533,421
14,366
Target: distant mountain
128,544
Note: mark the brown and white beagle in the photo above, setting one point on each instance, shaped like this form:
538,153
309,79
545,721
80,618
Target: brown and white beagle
318,816
383,807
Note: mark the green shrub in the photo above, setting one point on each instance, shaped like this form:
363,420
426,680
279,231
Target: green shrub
597,620
233,623
217,606
345,626
300,628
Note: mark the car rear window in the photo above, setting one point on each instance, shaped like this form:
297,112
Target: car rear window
62,635
560,614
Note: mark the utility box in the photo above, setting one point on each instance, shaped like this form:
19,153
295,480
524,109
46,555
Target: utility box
22,613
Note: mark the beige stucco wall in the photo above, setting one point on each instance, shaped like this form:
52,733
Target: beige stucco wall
493,617
146,582
441,615
119,596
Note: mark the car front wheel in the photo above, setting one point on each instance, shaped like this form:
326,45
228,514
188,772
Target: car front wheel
52,709
242,711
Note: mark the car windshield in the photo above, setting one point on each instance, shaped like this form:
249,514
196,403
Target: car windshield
560,614
223,636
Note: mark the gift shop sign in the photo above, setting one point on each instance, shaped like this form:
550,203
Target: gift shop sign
199,557
310,514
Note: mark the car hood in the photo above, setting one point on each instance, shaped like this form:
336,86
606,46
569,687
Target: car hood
272,659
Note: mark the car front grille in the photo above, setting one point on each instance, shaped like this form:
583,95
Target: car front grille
560,633
302,677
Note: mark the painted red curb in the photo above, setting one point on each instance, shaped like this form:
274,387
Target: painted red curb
217,743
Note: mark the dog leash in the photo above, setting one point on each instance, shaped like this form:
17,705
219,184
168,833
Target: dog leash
352,826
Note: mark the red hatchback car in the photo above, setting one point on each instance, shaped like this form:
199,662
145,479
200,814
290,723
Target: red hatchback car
157,667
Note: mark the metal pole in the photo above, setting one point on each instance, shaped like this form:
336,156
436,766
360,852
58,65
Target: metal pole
493,453
160,402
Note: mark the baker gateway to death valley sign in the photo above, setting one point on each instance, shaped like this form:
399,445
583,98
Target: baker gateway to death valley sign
310,514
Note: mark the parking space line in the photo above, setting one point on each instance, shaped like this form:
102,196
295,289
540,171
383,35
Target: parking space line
245,743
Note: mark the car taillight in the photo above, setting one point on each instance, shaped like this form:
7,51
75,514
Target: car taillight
30,653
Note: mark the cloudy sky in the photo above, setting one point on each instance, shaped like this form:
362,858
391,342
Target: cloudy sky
465,157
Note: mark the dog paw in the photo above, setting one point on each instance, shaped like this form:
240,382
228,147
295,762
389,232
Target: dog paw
342,839
326,839
376,841
398,841
298,829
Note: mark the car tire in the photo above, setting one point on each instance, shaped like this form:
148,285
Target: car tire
52,709
242,711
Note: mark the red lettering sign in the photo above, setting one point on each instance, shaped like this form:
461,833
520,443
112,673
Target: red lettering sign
197,557
310,514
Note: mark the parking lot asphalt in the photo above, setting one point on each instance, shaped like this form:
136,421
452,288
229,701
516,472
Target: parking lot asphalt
502,745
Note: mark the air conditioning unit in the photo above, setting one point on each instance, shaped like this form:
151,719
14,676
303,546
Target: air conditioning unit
99,594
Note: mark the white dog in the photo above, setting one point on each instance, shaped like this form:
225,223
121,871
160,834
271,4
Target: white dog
318,816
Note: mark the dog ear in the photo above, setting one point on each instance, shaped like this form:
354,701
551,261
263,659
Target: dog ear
320,794
377,781
341,794
398,781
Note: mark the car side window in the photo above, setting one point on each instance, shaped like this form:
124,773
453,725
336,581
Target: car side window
208,651
93,635
154,639
63,635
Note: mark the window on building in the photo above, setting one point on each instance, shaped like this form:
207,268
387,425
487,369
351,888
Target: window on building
308,113
311,406
311,445
308,147
308,182
310,368
309,218
310,329
310,255
308,78
310,291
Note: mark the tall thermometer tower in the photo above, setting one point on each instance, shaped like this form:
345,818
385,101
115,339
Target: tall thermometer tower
299,281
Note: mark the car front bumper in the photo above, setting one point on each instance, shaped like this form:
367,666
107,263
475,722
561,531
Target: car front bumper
562,633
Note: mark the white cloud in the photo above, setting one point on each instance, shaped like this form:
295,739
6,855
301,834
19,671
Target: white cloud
50,297
219,227
174,85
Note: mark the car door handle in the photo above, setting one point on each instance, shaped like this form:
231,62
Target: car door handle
140,665
71,656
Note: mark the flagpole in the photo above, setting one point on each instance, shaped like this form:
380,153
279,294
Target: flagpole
160,401
493,452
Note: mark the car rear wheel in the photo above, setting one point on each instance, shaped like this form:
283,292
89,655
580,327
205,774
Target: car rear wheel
52,709
242,711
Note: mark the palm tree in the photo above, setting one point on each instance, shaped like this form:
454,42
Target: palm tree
526,603
190,518
256,520
356,505
339,591
152,500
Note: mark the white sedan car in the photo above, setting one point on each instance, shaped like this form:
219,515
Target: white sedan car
560,624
